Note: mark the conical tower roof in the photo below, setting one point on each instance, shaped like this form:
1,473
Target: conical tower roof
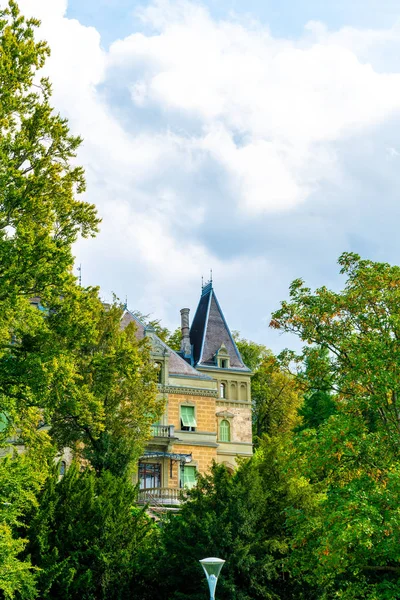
209,331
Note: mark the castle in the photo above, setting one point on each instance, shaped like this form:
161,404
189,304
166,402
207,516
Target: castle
206,387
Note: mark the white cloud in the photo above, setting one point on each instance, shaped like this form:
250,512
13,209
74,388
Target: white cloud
194,126
283,98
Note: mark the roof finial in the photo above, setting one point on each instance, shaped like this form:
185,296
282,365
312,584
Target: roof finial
80,275
210,275
126,302
202,282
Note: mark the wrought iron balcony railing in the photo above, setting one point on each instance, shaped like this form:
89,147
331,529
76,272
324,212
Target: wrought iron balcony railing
159,495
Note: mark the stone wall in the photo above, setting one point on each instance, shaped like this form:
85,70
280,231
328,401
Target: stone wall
241,424
202,458
204,411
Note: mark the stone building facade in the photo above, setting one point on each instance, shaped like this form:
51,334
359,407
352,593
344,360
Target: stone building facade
206,388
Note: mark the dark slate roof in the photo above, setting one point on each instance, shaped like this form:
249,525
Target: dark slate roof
176,364
209,331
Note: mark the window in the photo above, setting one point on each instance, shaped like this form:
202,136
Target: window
149,475
225,431
224,364
188,422
222,390
189,477
158,367
62,468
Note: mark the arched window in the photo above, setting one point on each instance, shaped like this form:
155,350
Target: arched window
243,392
158,367
222,390
225,431
62,467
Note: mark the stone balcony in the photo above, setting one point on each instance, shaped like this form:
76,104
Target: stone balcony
163,431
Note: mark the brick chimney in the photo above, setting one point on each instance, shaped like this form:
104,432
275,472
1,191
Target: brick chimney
186,347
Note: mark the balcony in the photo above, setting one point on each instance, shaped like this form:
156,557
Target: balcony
160,497
163,431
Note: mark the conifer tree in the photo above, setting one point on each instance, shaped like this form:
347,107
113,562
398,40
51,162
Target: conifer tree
85,536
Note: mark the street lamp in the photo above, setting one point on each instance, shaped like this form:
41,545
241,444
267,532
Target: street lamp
212,568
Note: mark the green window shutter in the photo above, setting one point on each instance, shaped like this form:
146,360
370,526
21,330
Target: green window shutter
189,477
187,416
3,422
224,431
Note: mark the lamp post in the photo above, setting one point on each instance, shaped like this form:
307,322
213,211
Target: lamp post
212,568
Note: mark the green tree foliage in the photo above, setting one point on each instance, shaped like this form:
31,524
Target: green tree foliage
104,394
252,353
319,403
40,216
276,397
350,545
21,477
162,332
316,409
174,339
69,362
239,518
92,382
85,537
275,393
65,362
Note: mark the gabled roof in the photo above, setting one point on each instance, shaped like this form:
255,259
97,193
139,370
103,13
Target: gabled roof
209,331
176,364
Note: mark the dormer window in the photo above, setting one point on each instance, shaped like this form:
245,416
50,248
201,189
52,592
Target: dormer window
221,357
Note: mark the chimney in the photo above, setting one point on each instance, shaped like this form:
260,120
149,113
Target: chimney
186,347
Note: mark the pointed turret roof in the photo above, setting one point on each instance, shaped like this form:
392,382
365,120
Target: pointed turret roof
209,331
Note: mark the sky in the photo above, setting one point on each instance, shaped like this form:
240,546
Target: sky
254,138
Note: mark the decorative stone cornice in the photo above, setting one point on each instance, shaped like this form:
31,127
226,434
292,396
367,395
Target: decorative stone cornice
187,391
225,414
235,403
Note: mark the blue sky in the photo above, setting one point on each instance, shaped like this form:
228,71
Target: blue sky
259,139
116,18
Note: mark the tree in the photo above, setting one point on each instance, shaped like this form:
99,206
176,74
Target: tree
85,536
319,402
21,477
277,397
162,332
103,394
350,546
252,353
275,393
64,362
40,217
174,339
239,518
316,409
